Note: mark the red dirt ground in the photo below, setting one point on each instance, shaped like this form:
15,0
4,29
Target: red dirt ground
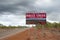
34,34
45,35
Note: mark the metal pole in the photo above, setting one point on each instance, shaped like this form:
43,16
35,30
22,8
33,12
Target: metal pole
35,35
43,31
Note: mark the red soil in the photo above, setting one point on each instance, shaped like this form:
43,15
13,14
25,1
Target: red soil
33,34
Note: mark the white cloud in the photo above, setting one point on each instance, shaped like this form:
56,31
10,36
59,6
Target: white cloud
12,19
12,11
52,21
43,3
54,16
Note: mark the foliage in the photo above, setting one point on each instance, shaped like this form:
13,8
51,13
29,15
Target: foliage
49,25
3,26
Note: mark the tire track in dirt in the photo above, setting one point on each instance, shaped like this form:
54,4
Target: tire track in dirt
34,34
17,34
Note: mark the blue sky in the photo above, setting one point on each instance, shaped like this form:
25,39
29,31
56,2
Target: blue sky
12,12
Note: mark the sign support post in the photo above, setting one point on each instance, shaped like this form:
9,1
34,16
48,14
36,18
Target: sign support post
43,32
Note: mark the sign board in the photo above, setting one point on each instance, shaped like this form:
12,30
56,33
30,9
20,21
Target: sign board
36,18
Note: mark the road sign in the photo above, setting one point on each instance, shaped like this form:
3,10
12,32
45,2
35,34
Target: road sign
36,18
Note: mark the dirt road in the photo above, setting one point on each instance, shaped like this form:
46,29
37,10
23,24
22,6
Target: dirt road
33,34
5,33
